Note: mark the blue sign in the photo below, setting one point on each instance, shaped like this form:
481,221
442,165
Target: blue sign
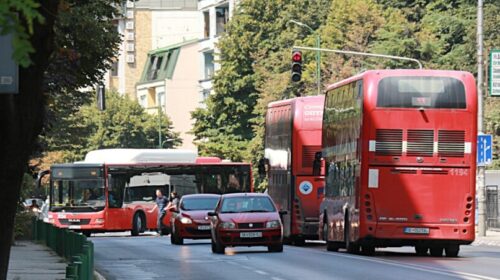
484,149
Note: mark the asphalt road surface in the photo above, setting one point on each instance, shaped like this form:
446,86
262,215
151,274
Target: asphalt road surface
119,256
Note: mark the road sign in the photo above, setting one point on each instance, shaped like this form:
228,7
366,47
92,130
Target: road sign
495,73
484,149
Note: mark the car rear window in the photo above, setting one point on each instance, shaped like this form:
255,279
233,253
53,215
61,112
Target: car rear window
206,203
421,92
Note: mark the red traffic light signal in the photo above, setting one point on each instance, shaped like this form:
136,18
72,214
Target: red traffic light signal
296,66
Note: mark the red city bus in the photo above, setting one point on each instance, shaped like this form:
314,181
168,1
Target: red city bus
114,190
399,148
292,148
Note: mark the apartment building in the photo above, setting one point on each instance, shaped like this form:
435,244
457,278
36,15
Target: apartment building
147,25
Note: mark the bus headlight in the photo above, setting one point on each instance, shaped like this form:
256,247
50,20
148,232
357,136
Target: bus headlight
273,224
185,220
227,225
99,221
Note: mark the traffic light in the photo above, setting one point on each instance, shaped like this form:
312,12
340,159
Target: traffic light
296,65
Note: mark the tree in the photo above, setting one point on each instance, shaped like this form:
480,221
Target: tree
55,59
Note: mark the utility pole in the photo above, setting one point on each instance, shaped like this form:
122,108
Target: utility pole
481,197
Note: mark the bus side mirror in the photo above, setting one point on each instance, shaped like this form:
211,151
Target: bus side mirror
317,164
263,167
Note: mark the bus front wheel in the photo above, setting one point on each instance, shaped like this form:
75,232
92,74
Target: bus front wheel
330,245
436,251
137,223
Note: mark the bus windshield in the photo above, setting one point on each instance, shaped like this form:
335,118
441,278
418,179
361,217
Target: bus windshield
78,195
421,92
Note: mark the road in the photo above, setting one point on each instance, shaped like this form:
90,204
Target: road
149,257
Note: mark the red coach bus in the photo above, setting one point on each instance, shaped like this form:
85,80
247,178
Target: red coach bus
114,190
399,148
292,140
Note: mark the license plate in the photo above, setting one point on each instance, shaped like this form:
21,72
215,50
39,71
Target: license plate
412,230
207,227
250,234
74,227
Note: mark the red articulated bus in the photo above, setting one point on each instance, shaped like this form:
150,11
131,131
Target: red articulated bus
292,148
114,189
399,148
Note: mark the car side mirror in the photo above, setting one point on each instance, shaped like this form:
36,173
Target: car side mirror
283,212
212,214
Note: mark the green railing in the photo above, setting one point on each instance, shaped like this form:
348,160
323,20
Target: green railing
74,247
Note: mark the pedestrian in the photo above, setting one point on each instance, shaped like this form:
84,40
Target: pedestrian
173,201
161,204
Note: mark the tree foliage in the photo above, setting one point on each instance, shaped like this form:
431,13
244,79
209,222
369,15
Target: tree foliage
255,55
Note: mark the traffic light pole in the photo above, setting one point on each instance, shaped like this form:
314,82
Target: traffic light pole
318,63
361,54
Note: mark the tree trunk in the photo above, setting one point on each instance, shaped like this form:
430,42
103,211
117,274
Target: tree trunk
21,120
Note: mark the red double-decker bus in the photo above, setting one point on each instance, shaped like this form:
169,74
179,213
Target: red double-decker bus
292,149
114,190
399,148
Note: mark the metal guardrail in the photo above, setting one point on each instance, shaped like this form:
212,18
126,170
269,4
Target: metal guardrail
74,247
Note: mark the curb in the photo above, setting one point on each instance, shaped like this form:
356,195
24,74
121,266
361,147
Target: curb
98,276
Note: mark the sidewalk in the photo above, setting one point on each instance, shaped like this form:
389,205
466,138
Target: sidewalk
30,260
492,238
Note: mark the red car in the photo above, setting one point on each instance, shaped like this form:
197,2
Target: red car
246,219
191,220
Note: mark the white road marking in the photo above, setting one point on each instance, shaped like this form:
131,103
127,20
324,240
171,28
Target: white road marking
465,275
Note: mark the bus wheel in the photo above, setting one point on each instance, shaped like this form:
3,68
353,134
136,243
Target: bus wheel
136,224
351,247
451,251
330,245
275,248
217,248
421,250
175,238
87,233
299,241
368,250
436,251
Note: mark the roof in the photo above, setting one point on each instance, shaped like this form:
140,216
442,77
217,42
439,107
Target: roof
174,46
127,156
200,195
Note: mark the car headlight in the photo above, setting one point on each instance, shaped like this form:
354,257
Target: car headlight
273,224
186,220
227,225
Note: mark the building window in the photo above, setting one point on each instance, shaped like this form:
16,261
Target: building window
142,101
154,67
222,16
206,17
209,65
160,98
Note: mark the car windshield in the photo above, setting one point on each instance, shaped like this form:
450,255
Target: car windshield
205,203
243,204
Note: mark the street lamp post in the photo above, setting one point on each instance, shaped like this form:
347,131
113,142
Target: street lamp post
318,54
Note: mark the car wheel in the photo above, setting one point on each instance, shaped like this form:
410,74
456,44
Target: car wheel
275,248
436,251
451,251
299,241
330,245
136,224
421,250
